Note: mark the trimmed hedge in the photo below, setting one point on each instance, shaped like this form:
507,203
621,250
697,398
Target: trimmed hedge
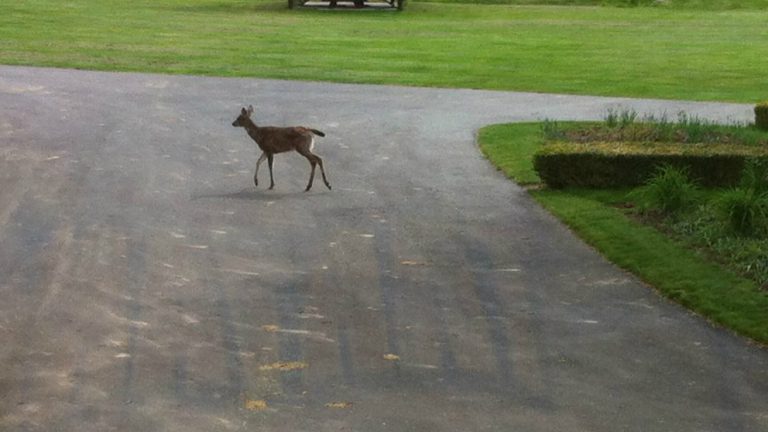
606,165
761,116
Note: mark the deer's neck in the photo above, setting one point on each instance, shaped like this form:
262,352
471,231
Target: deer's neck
253,130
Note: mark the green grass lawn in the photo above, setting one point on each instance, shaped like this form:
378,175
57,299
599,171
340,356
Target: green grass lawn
673,4
677,271
664,52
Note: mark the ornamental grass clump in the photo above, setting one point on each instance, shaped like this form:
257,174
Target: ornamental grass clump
669,191
745,208
552,130
744,211
620,118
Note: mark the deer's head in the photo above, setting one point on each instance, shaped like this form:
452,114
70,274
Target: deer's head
245,114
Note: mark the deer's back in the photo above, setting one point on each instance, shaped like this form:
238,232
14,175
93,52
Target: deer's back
281,139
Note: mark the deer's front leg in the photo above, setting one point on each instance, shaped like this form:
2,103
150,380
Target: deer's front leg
258,163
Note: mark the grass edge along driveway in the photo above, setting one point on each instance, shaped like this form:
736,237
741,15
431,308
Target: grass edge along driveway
676,272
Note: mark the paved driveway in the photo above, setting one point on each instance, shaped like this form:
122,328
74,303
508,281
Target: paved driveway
146,285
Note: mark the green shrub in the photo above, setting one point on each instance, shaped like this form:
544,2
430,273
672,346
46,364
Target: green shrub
669,191
755,176
707,228
607,165
761,116
744,210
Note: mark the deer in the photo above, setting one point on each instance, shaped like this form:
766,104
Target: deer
272,140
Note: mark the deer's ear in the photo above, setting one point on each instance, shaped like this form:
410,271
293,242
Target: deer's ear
250,109
243,112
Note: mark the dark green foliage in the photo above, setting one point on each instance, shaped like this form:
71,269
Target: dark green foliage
578,165
755,176
761,116
669,191
707,228
745,208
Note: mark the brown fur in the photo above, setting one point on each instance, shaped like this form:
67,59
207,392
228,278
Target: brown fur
272,140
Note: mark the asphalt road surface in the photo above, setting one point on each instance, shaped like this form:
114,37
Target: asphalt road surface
147,285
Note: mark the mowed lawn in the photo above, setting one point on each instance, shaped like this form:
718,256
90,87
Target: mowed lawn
642,52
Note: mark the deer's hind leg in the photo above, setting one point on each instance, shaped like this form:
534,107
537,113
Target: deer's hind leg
322,171
314,160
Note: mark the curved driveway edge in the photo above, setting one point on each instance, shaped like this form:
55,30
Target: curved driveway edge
148,286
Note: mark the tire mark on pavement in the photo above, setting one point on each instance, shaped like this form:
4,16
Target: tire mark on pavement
28,233
294,294
26,241
345,352
180,376
731,408
486,292
508,329
447,356
230,341
136,285
289,300
388,284
342,304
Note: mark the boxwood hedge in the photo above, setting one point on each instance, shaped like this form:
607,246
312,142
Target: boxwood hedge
761,116
628,164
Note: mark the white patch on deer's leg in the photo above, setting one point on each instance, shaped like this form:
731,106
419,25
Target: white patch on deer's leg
312,144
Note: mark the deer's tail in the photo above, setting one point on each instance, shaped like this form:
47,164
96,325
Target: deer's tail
317,132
